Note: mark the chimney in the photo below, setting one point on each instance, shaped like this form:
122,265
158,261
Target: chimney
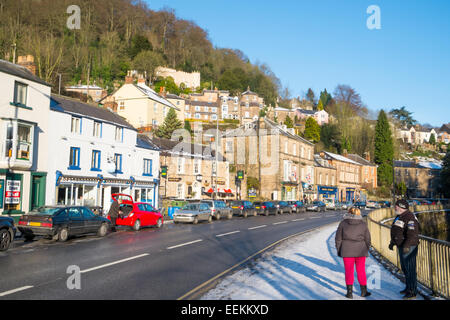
141,80
129,79
322,155
345,153
367,156
27,62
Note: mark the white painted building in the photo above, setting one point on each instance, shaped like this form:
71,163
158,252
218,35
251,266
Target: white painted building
97,153
24,125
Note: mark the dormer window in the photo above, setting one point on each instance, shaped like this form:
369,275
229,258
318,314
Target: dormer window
20,93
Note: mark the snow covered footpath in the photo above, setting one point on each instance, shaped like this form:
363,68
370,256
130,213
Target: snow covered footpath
304,268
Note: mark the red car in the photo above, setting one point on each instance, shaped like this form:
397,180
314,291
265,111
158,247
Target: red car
136,214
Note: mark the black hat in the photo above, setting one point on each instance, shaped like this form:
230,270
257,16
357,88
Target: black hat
402,204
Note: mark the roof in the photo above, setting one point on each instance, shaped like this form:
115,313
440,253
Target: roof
76,107
320,162
445,127
85,87
149,92
21,72
419,165
361,160
245,131
338,157
304,111
171,147
144,142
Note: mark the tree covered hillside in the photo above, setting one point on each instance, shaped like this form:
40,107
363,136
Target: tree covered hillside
119,35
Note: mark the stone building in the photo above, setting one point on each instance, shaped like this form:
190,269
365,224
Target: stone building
420,177
368,172
181,78
282,162
326,179
192,171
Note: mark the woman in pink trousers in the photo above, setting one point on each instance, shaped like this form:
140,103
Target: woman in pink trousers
352,244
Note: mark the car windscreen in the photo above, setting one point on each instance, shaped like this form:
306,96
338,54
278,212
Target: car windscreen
236,203
44,211
268,204
191,206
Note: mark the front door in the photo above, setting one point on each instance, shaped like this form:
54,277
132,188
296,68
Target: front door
37,191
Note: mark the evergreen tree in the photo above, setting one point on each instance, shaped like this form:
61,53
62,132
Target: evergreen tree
312,130
288,122
171,123
187,126
320,106
432,139
384,150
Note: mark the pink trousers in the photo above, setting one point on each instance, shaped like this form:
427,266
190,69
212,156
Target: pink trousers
349,264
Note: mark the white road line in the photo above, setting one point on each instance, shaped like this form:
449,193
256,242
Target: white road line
113,263
2,294
299,219
315,217
184,244
253,228
226,234
280,222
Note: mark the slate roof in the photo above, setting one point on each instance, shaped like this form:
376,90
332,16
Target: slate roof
20,71
338,157
361,160
76,107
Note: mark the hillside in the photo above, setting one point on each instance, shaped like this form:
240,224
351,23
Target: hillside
119,35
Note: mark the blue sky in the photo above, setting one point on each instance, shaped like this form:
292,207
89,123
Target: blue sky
322,43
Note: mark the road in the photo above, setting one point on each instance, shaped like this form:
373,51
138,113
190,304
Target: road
156,264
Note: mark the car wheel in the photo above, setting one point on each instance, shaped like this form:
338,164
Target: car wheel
102,230
210,219
159,223
195,220
5,239
63,234
255,213
137,225
245,214
218,216
230,216
290,211
266,213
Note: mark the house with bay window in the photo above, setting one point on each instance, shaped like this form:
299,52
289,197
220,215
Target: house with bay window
95,153
24,125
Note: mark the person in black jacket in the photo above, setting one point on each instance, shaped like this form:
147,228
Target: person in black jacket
114,213
405,235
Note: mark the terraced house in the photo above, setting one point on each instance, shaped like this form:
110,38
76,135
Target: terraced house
284,167
24,129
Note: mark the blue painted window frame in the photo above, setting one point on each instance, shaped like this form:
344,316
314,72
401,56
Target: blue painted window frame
74,158
118,161
148,166
96,160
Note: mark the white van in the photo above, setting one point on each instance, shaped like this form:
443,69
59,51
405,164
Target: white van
330,205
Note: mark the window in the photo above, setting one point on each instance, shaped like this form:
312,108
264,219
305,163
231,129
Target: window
9,141
180,165
23,142
95,161
121,105
20,93
197,167
74,161
119,134
148,163
97,129
295,149
180,191
76,125
118,162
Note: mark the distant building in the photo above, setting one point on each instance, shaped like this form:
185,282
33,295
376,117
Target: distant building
181,78
368,173
320,116
95,92
444,134
420,177
416,135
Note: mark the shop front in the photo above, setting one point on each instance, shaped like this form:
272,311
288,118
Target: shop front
326,192
289,191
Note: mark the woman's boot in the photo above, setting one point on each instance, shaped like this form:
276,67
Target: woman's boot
364,292
349,292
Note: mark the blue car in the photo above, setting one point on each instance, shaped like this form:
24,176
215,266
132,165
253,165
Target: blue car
316,206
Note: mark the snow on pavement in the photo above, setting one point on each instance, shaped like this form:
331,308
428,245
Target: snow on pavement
304,268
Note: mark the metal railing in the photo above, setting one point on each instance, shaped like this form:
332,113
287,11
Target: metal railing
433,258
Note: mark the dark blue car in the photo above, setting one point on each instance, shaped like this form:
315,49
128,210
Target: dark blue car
7,232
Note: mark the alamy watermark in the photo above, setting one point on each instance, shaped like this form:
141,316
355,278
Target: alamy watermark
74,20
374,20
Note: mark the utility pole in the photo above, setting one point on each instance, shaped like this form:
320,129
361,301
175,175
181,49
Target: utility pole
59,90
14,45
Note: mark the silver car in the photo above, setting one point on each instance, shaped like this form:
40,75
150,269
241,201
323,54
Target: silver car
219,209
193,213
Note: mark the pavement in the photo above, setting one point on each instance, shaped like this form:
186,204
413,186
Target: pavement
305,267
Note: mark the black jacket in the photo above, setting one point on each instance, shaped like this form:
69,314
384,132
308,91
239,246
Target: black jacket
114,210
405,230
352,237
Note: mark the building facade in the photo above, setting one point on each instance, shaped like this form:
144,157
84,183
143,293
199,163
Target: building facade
368,172
326,179
421,178
24,130
101,155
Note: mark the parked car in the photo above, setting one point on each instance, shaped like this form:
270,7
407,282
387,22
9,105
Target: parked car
373,205
339,205
193,213
359,204
265,207
384,204
347,205
316,206
219,209
7,232
297,206
243,208
283,207
329,204
61,222
136,214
